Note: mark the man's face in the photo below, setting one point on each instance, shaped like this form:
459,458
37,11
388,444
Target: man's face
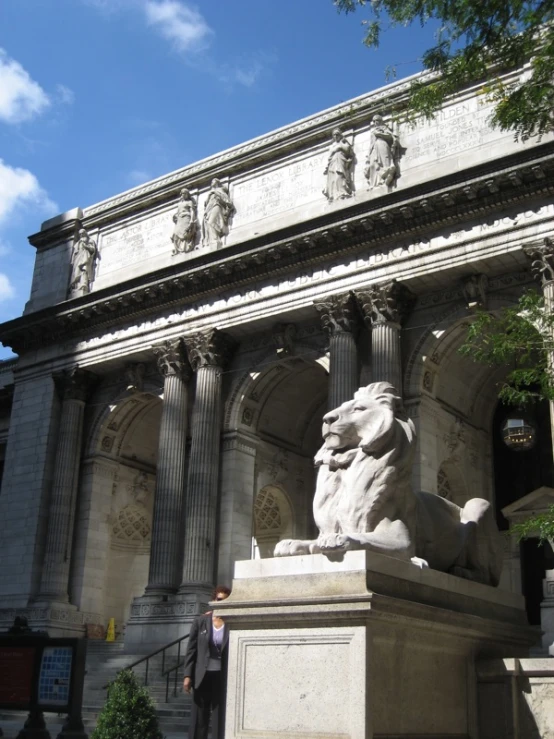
221,596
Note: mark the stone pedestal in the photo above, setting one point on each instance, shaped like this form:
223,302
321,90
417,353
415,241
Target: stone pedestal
368,646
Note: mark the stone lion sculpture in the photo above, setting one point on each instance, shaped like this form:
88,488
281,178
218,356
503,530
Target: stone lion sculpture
364,498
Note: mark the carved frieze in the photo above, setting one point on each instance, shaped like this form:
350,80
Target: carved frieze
171,358
211,348
284,335
134,375
338,313
475,291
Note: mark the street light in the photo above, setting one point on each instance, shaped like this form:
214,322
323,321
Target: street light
519,433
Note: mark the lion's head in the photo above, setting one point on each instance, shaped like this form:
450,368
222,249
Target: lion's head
367,421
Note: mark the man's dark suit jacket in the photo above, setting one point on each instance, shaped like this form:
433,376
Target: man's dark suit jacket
198,649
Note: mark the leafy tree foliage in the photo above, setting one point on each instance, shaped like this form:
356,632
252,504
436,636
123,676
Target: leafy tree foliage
128,713
521,338
476,42
540,525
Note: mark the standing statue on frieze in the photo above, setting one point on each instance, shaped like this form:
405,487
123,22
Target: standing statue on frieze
218,212
382,161
364,497
82,265
338,170
185,220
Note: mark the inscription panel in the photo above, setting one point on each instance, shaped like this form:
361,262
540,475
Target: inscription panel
454,130
281,189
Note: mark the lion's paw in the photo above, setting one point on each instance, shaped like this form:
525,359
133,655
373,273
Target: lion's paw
291,547
421,563
328,542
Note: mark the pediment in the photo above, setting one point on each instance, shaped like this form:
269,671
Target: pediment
539,500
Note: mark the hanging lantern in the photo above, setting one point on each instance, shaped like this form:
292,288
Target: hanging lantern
519,433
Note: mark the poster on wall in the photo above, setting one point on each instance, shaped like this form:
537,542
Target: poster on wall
55,676
16,676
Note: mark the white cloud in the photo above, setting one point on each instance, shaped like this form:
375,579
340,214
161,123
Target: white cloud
65,94
181,24
21,98
20,187
7,290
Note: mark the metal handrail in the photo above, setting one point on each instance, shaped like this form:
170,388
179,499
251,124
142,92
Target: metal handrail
147,658
180,662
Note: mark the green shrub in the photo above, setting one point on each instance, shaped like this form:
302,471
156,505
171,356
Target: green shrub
128,713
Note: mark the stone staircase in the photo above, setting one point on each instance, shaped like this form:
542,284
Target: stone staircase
105,660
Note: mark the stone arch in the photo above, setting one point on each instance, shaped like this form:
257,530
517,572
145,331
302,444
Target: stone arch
272,520
264,360
438,339
273,432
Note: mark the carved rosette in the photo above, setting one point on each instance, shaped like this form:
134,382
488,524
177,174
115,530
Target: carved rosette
171,359
389,302
75,384
541,257
337,313
211,348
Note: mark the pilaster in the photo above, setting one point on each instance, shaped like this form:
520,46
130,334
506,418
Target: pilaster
74,385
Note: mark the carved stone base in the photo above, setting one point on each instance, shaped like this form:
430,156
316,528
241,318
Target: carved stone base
337,639
58,619
157,620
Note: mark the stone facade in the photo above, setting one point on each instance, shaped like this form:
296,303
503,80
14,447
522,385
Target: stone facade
281,299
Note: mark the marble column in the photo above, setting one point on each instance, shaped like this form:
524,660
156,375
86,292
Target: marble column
339,320
384,308
164,573
209,352
74,385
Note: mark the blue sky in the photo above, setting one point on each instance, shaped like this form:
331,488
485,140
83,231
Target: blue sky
97,96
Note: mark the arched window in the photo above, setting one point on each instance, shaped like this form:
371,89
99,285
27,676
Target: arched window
272,520
444,488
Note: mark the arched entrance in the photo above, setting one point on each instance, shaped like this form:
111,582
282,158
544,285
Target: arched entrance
116,500
461,454
273,432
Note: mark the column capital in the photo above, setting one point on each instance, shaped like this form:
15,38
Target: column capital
541,256
171,358
75,383
337,313
210,348
388,302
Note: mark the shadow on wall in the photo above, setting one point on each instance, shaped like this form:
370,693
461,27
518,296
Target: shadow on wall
515,698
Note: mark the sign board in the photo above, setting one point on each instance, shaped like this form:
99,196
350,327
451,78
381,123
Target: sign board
39,672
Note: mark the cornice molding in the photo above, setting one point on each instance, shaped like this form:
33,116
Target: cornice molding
290,137
405,213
